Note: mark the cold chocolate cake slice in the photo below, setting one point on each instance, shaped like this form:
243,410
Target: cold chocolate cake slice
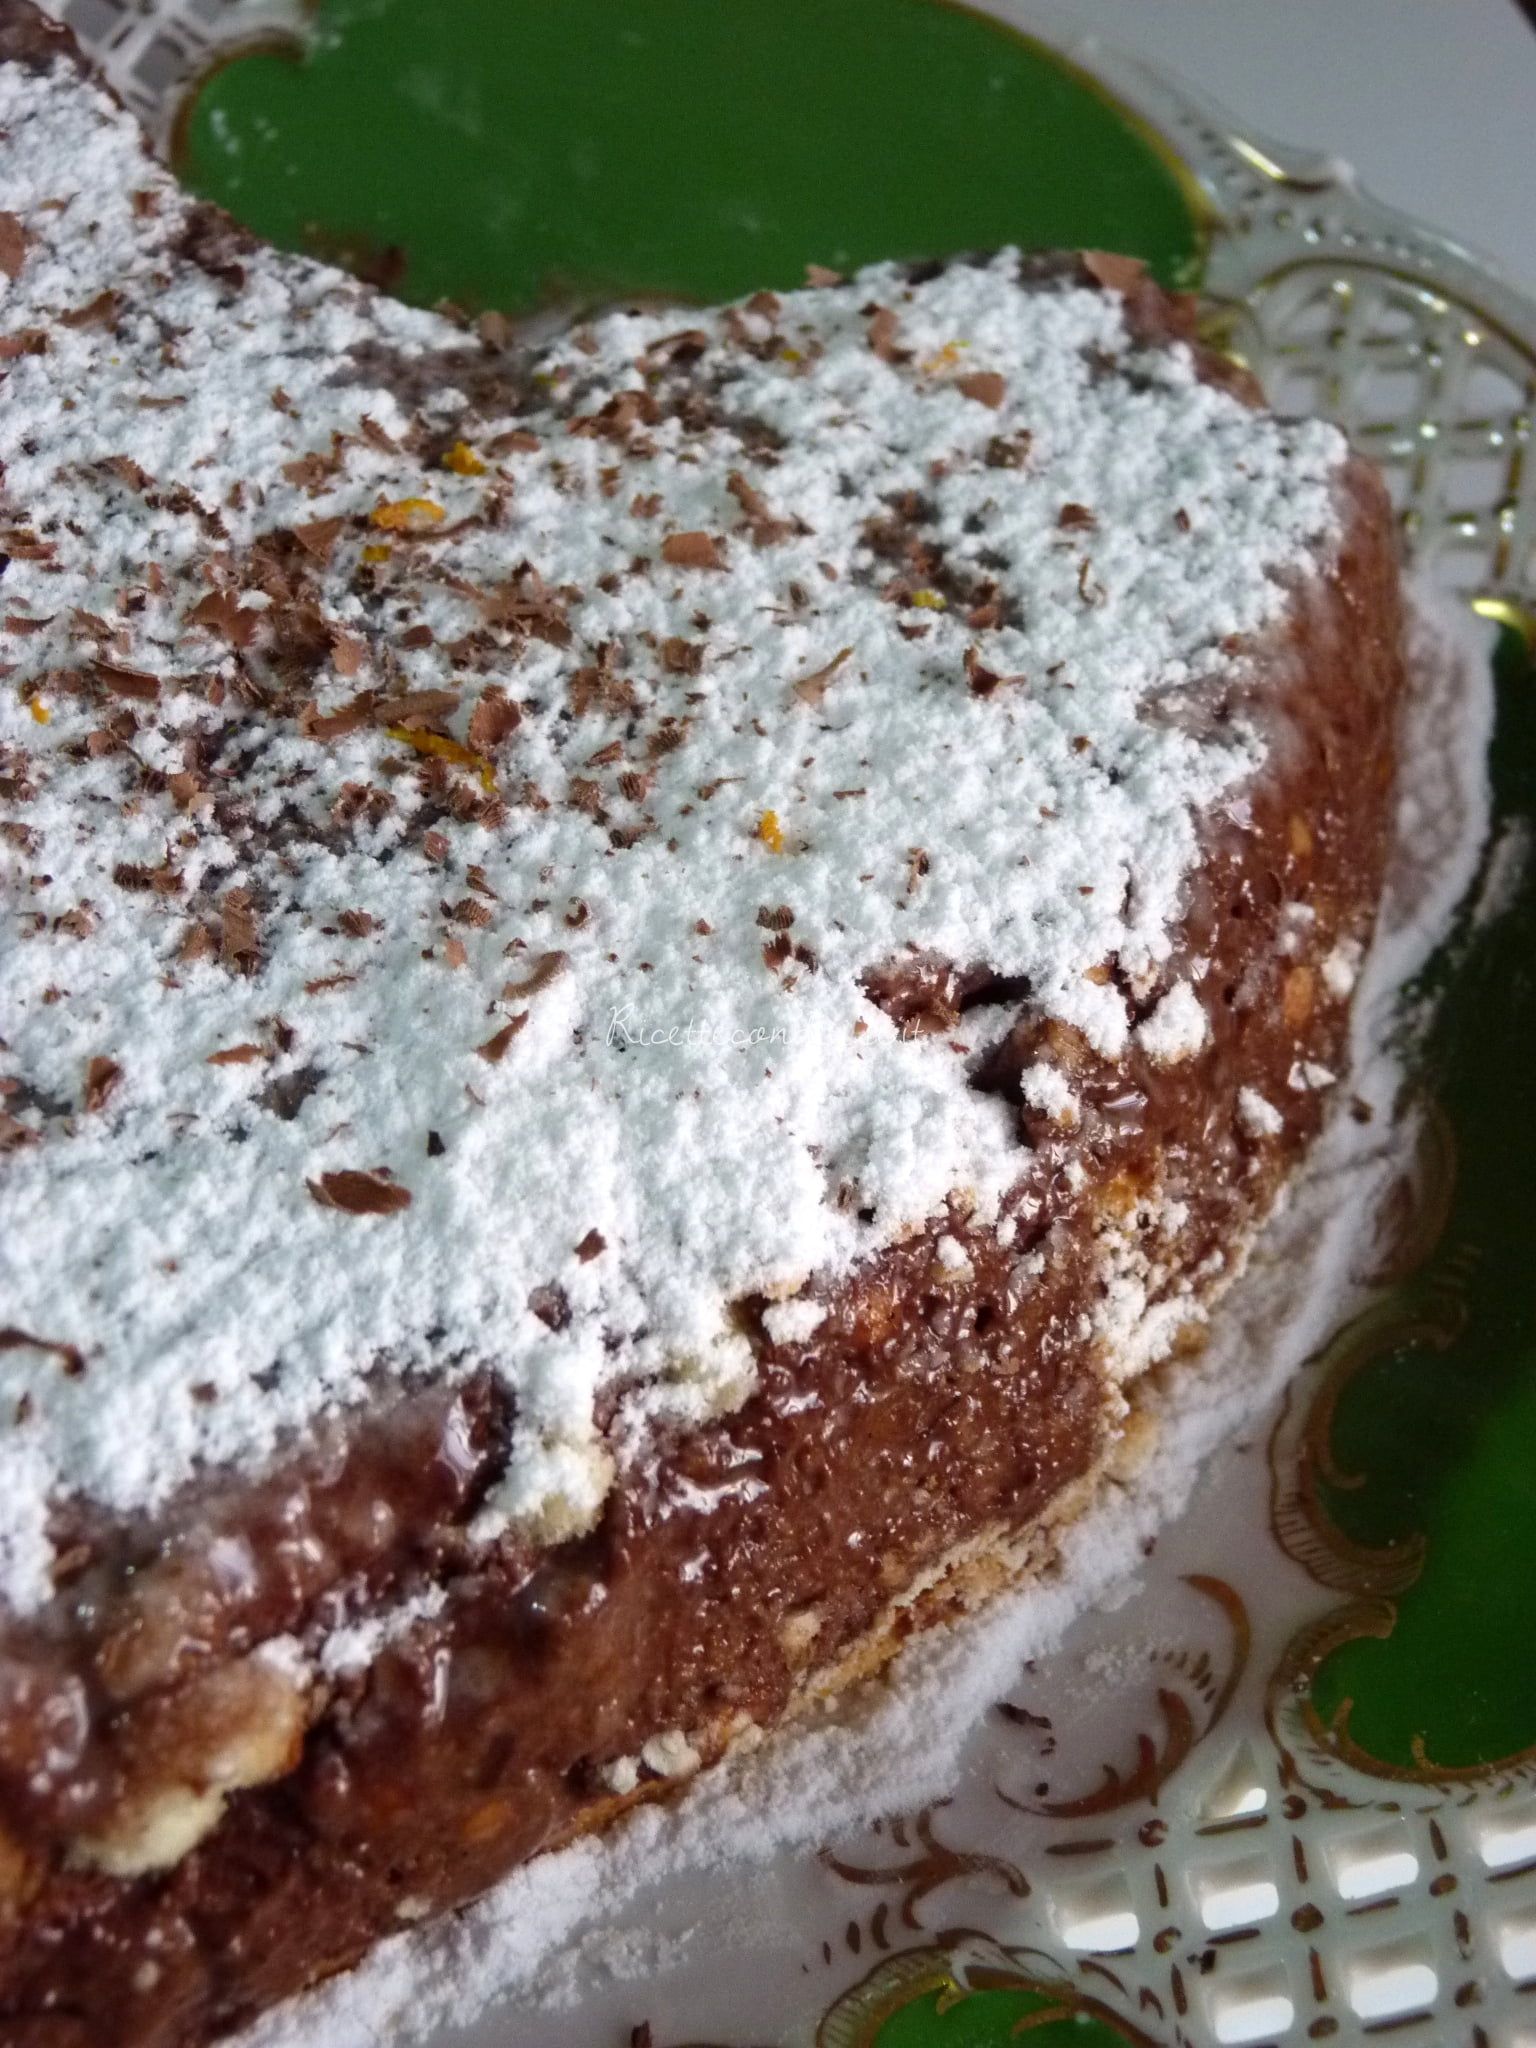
638,980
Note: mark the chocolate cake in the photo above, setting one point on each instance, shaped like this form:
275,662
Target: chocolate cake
640,979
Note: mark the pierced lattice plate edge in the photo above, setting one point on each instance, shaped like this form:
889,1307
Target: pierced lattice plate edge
1419,348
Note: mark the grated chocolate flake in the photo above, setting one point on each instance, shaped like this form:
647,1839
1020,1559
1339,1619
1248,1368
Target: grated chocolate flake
881,335
812,688
494,1050
697,550
14,240
987,387
494,720
547,968
101,1079
135,684
358,1193
237,931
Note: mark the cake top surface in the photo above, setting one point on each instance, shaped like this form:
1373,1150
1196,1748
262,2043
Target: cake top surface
452,799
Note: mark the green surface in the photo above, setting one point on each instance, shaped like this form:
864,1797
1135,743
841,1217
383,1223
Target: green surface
989,2019
1445,1441
517,151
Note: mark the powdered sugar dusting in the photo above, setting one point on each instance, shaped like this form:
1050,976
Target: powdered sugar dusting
1177,1028
455,823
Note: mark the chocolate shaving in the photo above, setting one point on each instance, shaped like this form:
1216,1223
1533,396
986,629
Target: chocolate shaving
312,471
98,312
984,680
1115,273
987,387
237,931
68,1355
1075,519
101,1077
1009,451
466,911
128,472
318,536
376,437
517,442
550,1305
127,682
357,924
618,419
881,335
331,725
214,242
347,652
597,685
812,688
778,919
591,1246
359,1194
23,543
26,341
13,244
681,657
678,351
415,708
222,613
236,1055
161,881
694,550
547,968
286,1095
495,1047
525,601
766,531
